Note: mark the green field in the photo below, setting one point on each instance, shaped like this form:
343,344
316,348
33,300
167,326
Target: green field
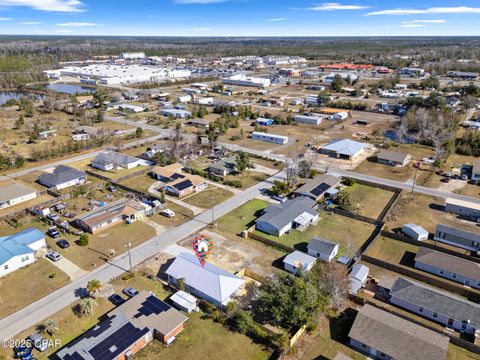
368,200
205,339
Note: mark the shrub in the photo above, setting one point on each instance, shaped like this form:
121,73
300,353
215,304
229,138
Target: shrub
349,181
83,240
235,183
52,276
128,276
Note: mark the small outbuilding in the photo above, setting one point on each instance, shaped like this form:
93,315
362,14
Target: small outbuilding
415,231
358,277
323,249
298,260
184,301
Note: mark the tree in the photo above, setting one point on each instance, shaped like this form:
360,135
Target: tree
139,132
292,171
242,321
212,135
333,279
295,300
99,116
83,240
280,187
305,166
50,327
101,97
242,161
87,307
19,161
93,287
19,123
343,199
338,83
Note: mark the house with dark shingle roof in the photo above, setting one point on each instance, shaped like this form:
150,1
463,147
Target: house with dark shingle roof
319,187
382,335
63,177
393,158
126,329
323,249
298,214
439,306
223,167
448,266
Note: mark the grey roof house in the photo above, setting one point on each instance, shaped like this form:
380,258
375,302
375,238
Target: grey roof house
15,193
358,277
459,238
298,260
343,149
382,335
209,282
223,167
318,187
393,158
109,160
63,177
442,307
323,249
298,213
448,266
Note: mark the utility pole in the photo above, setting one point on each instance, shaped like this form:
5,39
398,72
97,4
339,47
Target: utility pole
212,200
129,245
414,179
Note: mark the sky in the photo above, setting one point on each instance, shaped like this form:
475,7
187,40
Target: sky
241,17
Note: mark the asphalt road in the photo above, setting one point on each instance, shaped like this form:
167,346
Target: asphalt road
54,302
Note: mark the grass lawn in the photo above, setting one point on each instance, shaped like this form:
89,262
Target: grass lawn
390,250
368,200
28,284
140,183
204,339
99,244
371,167
330,339
457,353
248,178
350,234
209,197
425,211
239,219
181,215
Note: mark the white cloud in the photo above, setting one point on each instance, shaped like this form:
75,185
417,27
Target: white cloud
411,25
202,29
5,19
199,1
78,24
30,23
433,10
425,22
277,19
336,6
65,6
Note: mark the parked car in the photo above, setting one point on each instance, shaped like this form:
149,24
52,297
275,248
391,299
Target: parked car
448,174
53,255
63,244
445,180
38,342
464,177
116,299
417,165
53,233
53,217
130,292
23,351
167,213
280,198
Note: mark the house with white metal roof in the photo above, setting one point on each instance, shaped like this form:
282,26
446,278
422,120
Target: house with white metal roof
14,193
18,250
343,149
210,283
297,260
110,160
358,277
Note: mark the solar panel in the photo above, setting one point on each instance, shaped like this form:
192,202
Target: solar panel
74,356
177,176
120,340
320,189
183,185
153,305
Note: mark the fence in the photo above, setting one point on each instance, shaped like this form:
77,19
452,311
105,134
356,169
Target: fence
122,178
353,216
457,289
430,246
297,335
389,205
271,242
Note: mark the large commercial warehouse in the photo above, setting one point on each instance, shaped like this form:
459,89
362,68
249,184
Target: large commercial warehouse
119,74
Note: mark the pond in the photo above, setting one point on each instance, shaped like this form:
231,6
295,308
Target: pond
7,95
71,89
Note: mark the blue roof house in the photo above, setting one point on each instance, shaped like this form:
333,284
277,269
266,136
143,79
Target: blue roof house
343,149
18,250
210,283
